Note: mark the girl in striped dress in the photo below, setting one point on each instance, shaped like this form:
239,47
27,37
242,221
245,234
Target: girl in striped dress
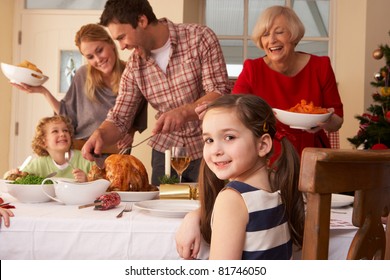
259,213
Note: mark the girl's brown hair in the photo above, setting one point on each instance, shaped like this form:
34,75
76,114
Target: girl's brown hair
258,117
38,143
93,33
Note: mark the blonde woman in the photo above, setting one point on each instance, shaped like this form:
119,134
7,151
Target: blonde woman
94,87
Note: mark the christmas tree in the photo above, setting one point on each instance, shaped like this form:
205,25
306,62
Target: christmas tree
374,126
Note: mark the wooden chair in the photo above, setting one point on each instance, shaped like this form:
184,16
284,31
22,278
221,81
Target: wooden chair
367,172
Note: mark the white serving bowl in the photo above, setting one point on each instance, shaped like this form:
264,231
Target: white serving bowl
300,120
73,193
3,185
18,75
30,193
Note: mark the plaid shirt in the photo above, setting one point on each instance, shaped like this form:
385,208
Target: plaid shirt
196,66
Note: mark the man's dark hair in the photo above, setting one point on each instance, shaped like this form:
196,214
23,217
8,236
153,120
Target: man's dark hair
126,11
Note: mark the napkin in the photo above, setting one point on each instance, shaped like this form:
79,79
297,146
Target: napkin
175,191
5,205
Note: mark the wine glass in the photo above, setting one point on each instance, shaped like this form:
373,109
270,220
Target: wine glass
180,160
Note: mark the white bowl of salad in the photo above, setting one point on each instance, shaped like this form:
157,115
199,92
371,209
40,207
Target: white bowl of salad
28,189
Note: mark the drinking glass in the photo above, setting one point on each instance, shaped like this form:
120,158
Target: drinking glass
180,160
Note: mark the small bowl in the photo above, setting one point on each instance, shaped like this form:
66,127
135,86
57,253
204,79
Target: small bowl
300,120
18,75
30,193
73,193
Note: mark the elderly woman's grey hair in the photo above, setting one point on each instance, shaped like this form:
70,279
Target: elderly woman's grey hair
266,19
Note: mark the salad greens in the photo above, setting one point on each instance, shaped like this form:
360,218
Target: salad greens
31,179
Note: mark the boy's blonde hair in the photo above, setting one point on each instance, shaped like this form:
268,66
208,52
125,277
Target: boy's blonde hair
38,142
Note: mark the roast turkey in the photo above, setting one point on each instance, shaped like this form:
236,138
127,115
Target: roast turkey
125,172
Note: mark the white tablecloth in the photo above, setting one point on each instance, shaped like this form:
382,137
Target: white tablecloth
48,231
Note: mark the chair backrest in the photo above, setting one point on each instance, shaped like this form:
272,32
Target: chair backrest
367,172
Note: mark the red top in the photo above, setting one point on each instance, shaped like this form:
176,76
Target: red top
315,82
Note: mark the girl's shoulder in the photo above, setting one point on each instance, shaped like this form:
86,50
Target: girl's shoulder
248,191
241,186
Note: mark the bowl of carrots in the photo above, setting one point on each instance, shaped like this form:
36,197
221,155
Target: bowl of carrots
303,116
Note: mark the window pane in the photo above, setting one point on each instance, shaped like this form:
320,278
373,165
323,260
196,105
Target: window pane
66,4
225,17
313,47
256,7
233,53
314,15
254,51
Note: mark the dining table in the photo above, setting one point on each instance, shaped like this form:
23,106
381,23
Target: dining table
55,231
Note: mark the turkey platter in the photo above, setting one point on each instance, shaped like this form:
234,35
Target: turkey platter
125,172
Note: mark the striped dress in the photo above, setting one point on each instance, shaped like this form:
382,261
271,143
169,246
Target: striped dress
267,232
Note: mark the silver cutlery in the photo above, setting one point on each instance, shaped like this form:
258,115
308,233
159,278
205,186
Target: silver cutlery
125,150
338,212
25,162
128,208
51,175
99,160
67,158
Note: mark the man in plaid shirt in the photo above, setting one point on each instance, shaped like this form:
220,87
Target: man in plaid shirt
176,67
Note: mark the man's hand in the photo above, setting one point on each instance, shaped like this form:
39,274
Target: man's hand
175,119
126,141
170,121
107,134
94,145
200,110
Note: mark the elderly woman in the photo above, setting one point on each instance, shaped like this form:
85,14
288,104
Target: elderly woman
284,76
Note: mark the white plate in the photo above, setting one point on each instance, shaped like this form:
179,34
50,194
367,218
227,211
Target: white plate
174,208
138,196
341,200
